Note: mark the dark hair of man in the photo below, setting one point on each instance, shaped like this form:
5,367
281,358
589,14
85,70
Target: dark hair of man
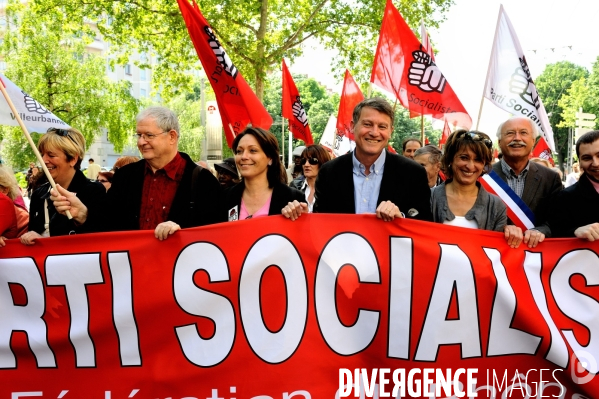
587,138
379,104
405,142
91,160
270,145
458,141
434,154
316,151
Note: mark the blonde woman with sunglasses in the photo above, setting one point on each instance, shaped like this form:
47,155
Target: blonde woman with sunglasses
461,200
62,151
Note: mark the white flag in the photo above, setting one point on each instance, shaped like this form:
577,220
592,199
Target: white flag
339,145
34,115
509,83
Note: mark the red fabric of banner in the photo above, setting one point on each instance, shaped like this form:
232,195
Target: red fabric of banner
351,95
542,151
402,67
269,308
293,109
444,135
237,103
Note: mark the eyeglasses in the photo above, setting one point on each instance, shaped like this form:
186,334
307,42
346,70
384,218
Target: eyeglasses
103,181
473,136
61,132
147,136
311,161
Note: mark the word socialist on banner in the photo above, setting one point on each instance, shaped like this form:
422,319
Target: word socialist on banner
237,103
509,83
321,307
403,67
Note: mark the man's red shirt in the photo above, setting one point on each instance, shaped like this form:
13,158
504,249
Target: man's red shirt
159,191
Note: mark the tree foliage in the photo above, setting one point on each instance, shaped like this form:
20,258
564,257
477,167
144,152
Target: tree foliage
553,84
46,57
257,34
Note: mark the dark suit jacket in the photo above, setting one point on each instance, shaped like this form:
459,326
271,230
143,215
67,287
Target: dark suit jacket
404,183
541,184
574,207
281,195
189,209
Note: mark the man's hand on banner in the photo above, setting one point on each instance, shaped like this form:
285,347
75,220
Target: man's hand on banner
29,238
300,112
589,232
165,229
388,211
519,84
64,200
425,74
533,237
513,235
294,210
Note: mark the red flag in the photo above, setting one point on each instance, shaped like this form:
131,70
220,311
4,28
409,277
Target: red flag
293,109
426,41
391,149
542,151
426,141
402,67
445,134
351,95
237,103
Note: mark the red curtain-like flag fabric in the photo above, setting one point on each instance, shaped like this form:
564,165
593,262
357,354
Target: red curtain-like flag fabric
293,109
542,151
237,103
402,67
444,135
351,95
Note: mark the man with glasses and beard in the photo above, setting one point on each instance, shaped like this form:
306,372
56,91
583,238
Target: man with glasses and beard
532,182
164,192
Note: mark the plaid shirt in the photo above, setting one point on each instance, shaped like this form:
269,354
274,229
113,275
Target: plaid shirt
516,183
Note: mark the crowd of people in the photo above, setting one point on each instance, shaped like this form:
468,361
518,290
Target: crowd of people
166,191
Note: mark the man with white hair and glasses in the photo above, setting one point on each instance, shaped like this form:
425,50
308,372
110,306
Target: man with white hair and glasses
164,192
532,182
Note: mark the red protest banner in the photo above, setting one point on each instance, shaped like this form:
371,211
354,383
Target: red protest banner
237,103
402,67
293,109
269,308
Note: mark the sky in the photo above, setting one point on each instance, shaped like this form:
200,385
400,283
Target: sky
549,31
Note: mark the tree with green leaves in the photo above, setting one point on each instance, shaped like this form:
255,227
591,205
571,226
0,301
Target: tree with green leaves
553,83
257,34
46,56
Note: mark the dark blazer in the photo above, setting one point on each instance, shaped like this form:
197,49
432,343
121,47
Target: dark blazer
92,194
574,207
404,183
281,195
541,184
195,203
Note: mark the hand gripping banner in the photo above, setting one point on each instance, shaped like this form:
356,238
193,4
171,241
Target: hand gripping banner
317,308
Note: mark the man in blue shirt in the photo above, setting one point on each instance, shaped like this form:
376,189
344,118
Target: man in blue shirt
371,179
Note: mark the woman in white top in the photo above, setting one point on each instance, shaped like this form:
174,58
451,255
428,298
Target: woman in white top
312,158
461,200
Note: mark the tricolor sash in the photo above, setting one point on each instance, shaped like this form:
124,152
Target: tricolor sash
519,213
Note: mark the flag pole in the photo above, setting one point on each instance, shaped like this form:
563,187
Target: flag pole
422,128
30,140
482,99
283,141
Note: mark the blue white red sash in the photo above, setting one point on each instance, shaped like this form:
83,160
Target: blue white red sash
517,210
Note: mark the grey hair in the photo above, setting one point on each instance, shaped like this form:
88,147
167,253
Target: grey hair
533,126
165,118
434,154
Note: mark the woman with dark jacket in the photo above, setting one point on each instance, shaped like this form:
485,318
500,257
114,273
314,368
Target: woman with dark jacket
62,151
461,200
312,158
263,189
